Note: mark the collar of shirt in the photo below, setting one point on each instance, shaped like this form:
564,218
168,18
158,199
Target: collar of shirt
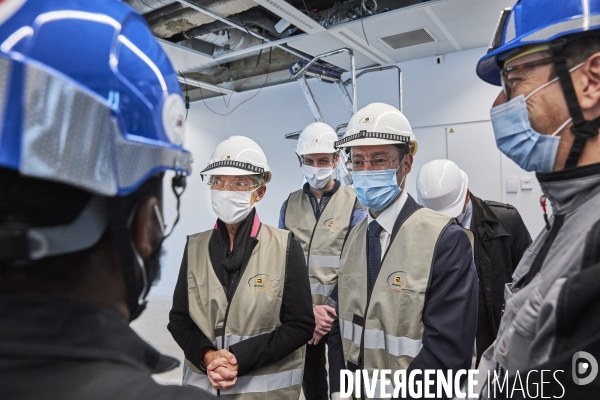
388,218
465,221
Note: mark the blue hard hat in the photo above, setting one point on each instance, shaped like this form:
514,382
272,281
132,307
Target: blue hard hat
87,96
532,22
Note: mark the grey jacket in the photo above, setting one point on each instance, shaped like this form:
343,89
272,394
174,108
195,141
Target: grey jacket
527,331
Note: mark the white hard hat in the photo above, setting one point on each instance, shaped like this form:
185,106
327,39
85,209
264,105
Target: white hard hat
238,155
377,124
316,138
442,187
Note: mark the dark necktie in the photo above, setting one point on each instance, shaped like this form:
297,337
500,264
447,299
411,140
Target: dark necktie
374,261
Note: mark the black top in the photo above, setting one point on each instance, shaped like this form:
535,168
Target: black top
450,312
64,350
501,239
296,315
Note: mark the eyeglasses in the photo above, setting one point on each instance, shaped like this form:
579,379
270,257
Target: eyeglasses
506,84
376,163
235,186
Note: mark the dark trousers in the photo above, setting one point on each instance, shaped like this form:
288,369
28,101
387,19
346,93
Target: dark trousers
314,382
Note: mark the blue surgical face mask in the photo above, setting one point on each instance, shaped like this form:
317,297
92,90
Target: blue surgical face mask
516,138
376,189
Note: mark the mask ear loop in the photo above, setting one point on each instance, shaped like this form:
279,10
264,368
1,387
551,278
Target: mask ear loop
545,85
178,185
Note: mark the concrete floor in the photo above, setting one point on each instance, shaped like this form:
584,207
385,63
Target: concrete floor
152,327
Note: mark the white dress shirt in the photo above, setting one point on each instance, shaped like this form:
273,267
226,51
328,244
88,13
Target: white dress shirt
387,219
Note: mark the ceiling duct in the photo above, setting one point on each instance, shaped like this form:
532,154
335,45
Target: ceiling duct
407,39
188,18
146,6
255,17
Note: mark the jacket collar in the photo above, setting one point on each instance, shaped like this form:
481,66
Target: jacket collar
57,328
568,189
482,211
485,221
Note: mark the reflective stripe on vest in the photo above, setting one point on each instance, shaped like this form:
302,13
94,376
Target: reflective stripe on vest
378,339
249,383
323,239
254,310
394,328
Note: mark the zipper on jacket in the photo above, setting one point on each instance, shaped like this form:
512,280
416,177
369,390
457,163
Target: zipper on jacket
242,270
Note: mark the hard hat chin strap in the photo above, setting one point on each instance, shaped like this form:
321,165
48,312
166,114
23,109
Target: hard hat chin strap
581,128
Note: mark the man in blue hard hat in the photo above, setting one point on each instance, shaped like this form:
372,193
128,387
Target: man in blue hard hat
546,56
91,116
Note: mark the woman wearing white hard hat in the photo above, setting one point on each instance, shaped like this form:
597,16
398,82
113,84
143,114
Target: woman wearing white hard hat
242,309
500,234
406,281
320,215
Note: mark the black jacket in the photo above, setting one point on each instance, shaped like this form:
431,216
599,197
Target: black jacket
501,239
297,319
63,350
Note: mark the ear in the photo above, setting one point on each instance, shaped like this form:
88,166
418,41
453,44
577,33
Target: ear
407,164
589,87
260,193
144,229
336,159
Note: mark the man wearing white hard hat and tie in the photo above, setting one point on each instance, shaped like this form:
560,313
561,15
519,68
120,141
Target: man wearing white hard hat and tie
407,285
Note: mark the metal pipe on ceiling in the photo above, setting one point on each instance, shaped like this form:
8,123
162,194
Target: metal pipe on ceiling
375,69
204,85
146,6
243,28
352,70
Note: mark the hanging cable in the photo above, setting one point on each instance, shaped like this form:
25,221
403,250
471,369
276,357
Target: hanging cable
248,99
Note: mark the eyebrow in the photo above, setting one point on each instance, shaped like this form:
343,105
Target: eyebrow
380,153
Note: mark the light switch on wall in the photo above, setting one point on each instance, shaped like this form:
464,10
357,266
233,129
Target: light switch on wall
512,184
526,183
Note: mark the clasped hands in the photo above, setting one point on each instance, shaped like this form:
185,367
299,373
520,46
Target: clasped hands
323,320
221,368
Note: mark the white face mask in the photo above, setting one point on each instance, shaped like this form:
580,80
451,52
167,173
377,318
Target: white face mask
231,206
317,178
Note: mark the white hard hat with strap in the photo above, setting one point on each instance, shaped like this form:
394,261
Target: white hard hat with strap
238,155
379,124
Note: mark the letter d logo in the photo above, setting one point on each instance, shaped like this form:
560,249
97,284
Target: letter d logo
582,367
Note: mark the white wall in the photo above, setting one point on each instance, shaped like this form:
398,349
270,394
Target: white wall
447,105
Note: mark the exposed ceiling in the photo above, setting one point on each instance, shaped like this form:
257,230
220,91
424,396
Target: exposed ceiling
227,46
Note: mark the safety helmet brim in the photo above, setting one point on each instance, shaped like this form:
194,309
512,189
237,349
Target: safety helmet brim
515,32
316,151
227,171
457,208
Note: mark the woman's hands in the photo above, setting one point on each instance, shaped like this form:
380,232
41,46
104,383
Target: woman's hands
221,368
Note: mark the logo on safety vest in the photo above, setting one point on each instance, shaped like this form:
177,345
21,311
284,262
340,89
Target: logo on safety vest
259,283
330,223
396,281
